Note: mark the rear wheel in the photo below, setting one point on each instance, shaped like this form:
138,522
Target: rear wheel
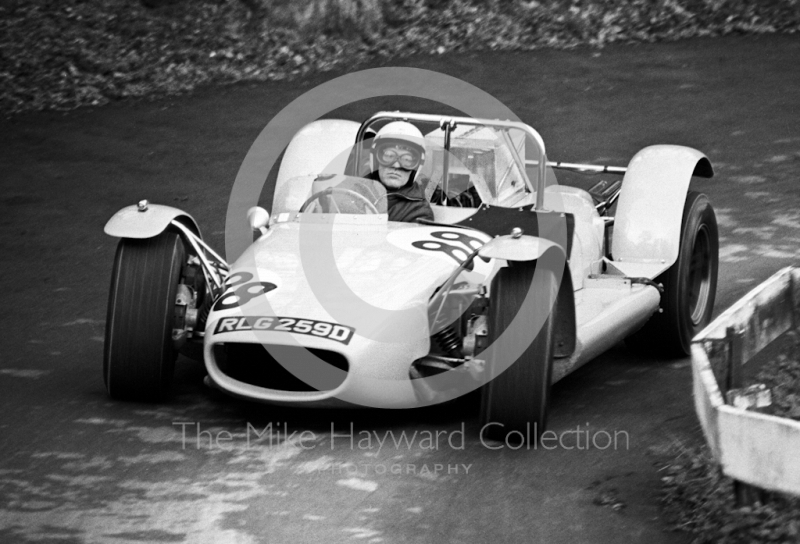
690,285
139,356
517,398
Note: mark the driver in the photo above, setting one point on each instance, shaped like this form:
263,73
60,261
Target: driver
399,150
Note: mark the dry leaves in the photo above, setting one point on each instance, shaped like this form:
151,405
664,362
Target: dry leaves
62,54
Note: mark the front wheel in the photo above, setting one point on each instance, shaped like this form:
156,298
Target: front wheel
139,356
516,400
690,285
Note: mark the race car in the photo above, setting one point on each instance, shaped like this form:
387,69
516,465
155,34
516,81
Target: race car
511,281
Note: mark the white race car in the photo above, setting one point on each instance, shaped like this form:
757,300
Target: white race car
515,282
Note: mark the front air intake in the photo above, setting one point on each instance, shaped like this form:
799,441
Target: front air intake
266,366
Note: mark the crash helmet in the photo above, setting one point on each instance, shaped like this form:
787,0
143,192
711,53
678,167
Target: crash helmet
399,142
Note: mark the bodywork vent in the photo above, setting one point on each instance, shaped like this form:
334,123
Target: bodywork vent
255,364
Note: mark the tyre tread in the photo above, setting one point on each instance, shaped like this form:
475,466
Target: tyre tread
139,356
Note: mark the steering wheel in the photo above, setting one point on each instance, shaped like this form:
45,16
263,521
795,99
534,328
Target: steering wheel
369,206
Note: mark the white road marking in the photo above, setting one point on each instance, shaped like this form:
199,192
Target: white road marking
790,219
765,196
362,532
731,253
763,233
57,455
778,158
23,372
749,179
84,321
724,217
154,458
358,484
317,465
102,421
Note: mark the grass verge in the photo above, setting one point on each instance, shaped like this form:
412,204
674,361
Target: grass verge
62,54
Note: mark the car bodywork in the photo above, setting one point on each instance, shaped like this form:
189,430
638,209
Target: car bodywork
360,293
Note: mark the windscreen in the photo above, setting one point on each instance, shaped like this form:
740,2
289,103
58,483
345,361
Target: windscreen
482,164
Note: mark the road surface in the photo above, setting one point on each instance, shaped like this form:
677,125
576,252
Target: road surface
77,467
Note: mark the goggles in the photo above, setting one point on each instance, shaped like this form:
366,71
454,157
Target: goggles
391,153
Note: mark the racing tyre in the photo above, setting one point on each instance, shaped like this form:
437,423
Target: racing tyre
139,356
517,398
690,285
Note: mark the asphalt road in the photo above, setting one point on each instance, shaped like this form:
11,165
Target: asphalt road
76,467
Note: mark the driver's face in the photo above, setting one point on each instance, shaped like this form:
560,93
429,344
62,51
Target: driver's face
393,177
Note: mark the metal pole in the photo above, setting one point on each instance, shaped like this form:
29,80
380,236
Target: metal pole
735,379
744,493
577,167
446,125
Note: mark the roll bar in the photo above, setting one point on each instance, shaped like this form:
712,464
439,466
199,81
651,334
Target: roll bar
448,123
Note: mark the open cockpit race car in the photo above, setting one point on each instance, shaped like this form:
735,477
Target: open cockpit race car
512,282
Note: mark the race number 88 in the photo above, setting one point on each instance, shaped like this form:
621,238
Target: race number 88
240,290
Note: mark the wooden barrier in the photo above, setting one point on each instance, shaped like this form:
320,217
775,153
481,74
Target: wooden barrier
757,449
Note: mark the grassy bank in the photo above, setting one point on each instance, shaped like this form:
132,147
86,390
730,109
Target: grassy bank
62,54
699,499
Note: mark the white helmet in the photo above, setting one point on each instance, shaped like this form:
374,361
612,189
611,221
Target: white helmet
401,132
